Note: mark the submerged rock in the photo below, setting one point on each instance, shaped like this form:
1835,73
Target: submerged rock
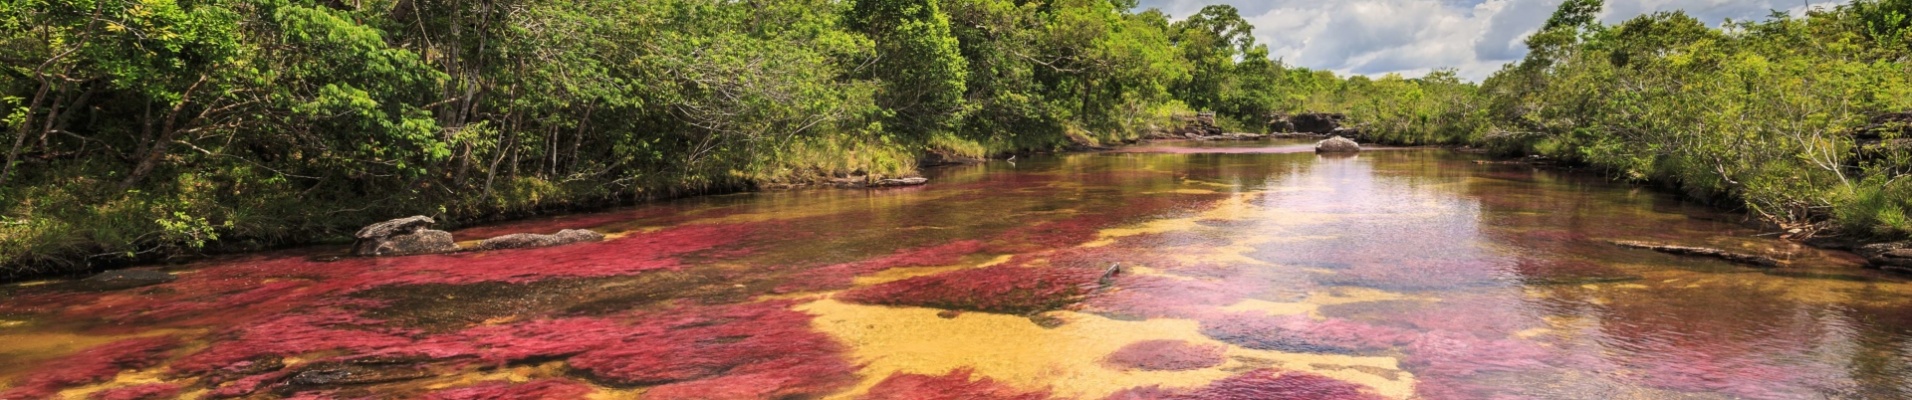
403,236
527,240
911,181
1742,258
1337,144
125,279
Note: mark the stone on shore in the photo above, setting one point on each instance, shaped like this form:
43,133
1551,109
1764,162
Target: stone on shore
1337,144
403,236
529,240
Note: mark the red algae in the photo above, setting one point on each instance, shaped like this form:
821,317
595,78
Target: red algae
287,335
1299,333
226,293
93,365
761,350
1165,355
151,391
999,289
840,276
1143,296
1259,384
543,389
957,385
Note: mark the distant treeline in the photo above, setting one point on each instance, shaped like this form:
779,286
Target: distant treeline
137,130
1803,121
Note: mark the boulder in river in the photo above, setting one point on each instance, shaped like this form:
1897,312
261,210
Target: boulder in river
1337,144
527,240
1895,255
125,279
403,236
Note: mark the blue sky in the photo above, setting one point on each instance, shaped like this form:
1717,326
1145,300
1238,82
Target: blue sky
1411,37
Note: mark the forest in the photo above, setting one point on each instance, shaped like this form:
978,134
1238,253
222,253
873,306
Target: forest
151,129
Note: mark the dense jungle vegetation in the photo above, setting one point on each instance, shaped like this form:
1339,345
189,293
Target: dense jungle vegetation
137,130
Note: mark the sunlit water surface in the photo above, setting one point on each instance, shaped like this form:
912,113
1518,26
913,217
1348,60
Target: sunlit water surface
1246,270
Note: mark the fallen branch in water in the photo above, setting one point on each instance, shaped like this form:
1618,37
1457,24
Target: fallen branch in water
1742,258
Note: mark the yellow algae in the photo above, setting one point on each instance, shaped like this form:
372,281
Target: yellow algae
1532,332
1273,308
123,379
1353,294
1066,359
1199,182
897,274
1108,236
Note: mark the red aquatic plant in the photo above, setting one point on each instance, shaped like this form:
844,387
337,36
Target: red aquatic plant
999,289
323,329
229,292
1300,333
760,350
542,389
1259,384
840,275
1145,296
957,385
151,391
97,364
1449,354
1165,355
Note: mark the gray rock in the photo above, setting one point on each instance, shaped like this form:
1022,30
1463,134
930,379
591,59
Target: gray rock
529,240
1893,255
424,241
403,236
913,181
395,227
125,279
1337,144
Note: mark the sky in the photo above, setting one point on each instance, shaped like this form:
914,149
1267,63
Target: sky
1412,37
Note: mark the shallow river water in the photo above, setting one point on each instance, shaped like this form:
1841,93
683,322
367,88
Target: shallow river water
1240,271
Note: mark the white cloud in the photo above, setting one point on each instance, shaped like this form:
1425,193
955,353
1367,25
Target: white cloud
1412,37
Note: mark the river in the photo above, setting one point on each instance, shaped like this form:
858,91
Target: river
1166,271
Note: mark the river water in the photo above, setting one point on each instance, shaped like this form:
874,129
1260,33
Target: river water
1169,271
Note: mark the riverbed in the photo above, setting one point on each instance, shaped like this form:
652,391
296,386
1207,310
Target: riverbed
1166,271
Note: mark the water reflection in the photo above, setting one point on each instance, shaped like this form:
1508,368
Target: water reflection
1247,270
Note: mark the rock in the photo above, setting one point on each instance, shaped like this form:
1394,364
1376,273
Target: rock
1316,122
1742,258
939,157
125,279
1894,255
1337,144
334,374
403,236
528,240
911,181
401,226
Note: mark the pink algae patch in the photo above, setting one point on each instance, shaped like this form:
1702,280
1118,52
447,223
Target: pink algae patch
89,366
1259,384
225,293
1165,355
757,350
1299,333
151,391
957,385
543,389
999,289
